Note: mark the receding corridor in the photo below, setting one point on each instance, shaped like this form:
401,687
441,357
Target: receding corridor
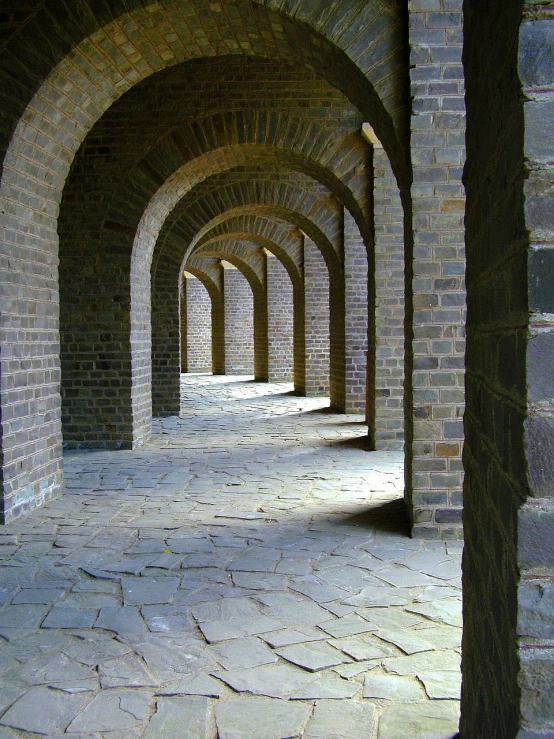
244,575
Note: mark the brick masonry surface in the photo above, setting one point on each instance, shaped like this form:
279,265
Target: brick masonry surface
280,313
508,658
239,324
316,282
435,269
199,327
388,218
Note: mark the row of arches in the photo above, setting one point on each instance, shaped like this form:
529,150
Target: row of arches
140,136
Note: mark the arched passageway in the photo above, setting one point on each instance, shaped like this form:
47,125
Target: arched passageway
143,140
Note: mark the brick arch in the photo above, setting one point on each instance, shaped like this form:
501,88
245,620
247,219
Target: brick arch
210,202
288,251
275,228
97,60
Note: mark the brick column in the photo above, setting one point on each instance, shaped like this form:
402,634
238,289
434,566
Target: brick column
239,322
435,271
356,316
198,334
508,565
316,291
389,306
280,311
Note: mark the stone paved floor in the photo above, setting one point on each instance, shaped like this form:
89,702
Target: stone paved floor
242,576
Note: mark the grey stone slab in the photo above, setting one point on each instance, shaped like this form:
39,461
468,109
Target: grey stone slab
327,686
166,619
423,662
76,686
54,668
444,611
256,559
148,590
284,637
121,620
113,710
260,718
313,656
241,653
375,597
197,683
442,684
391,618
289,566
179,718
299,613
215,631
260,581
89,600
70,618
316,589
223,610
94,650
441,637
7,592
437,592
169,659
129,565
348,626
392,688
273,681
356,668
341,721
402,577
43,711
38,595
30,615
7,663
425,720
363,648
406,640
125,672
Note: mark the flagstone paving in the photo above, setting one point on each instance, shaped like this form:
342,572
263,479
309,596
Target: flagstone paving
243,575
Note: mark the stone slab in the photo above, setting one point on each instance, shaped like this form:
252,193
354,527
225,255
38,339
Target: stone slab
260,718
43,711
341,721
179,718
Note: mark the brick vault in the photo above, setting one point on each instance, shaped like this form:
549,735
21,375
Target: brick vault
278,188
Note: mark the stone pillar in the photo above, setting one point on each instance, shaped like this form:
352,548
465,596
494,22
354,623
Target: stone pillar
239,322
435,270
356,316
280,311
508,565
389,306
316,291
198,335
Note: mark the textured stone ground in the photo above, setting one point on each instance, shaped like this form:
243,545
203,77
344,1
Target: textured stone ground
245,575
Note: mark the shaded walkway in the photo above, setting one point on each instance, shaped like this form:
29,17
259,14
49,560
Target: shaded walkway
252,553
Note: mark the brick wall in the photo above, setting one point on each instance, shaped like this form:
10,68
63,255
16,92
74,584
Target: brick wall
435,269
239,323
210,272
280,313
316,295
199,327
508,658
389,306
356,316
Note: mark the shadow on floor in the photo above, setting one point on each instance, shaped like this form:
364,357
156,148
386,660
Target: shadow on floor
390,518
